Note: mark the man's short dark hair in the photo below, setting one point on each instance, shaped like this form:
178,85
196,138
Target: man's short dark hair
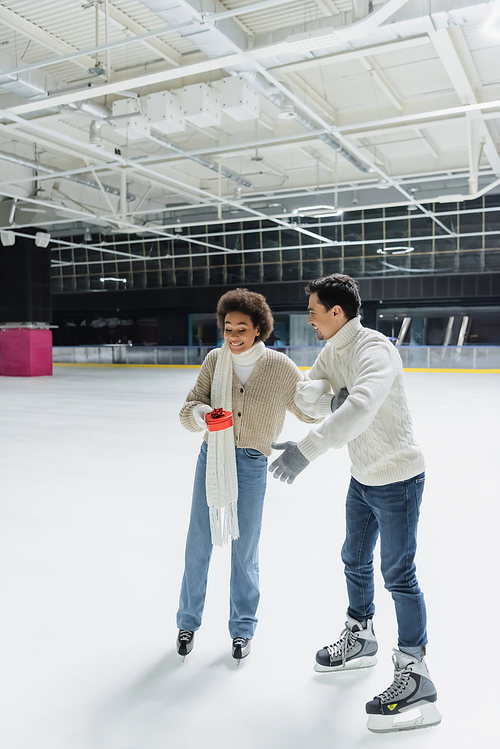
248,303
337,289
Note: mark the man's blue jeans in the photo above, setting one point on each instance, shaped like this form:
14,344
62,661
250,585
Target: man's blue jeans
391,511
244,594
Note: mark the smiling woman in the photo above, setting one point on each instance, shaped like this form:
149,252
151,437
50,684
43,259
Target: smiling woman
242,314
257,385
239,332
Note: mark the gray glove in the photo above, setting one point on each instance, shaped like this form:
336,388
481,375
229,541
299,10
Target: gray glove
289,464
339,399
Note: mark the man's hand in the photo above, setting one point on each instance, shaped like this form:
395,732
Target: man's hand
339,399
289,464
324,405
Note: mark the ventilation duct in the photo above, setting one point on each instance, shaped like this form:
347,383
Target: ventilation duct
416,17
210,42
200,160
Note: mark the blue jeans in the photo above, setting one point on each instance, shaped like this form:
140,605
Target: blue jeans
391,511
244,594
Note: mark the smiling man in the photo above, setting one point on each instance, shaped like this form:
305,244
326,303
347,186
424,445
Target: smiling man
383,500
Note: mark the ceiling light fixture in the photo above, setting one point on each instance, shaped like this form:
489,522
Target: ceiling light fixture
312,41
42,239
8,238
121,280
395,250
288,112
318,211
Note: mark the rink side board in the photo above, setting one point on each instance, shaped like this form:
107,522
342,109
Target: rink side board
197,366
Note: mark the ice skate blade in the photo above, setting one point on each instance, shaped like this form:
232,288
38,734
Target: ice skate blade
365,662
411,719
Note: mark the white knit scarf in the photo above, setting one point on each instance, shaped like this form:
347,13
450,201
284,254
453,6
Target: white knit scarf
221,477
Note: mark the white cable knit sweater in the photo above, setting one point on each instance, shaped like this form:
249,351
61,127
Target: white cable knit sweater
374,421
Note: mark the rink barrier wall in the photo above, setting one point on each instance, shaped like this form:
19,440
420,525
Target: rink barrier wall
477,359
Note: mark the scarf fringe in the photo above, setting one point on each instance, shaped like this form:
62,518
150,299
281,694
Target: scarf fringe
224,524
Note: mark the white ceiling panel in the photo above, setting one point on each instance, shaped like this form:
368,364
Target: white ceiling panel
394,110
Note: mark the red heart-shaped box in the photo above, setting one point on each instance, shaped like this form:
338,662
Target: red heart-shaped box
216,423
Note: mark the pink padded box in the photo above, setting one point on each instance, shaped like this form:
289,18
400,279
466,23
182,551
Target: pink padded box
25,352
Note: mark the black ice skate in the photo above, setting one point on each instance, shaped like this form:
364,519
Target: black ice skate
410,701
355,648
185,642
241,648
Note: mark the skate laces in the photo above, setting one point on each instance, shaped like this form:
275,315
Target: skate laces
185,635
344,643
239,641
401,679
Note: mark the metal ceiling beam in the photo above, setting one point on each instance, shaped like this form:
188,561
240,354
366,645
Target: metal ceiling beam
116,87
37,34
339,58
352,32
123,21
419,116
452,63
158,178
381,80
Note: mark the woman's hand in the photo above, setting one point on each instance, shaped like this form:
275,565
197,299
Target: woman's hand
199,413
312,390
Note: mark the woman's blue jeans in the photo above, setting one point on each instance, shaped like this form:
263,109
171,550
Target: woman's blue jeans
244,593
391,511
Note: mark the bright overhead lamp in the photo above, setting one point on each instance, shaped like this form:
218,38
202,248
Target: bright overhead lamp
42,239
395,250
8,238
121,280
318,211
452,198
312,41
492,25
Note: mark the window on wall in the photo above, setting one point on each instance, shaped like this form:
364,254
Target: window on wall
254,252
422,258
291,270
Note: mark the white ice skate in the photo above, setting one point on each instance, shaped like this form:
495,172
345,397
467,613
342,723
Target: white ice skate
410,701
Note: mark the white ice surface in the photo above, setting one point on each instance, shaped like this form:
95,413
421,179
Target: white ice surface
95,483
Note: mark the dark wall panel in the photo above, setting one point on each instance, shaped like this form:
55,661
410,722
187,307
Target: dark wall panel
25,282
171,306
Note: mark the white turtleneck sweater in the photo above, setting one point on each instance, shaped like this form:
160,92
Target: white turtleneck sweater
374,421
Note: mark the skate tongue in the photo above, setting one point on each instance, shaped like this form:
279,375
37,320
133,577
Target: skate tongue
402,660
354,625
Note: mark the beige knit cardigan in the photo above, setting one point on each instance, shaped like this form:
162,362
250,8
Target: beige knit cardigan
259,406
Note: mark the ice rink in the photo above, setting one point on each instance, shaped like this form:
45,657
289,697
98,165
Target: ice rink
96,474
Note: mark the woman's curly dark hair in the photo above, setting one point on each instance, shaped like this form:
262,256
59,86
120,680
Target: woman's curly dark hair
248,303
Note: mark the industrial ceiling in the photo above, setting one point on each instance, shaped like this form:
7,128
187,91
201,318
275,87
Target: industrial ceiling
145,116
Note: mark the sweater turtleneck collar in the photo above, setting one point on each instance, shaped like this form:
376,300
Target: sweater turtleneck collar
346,333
